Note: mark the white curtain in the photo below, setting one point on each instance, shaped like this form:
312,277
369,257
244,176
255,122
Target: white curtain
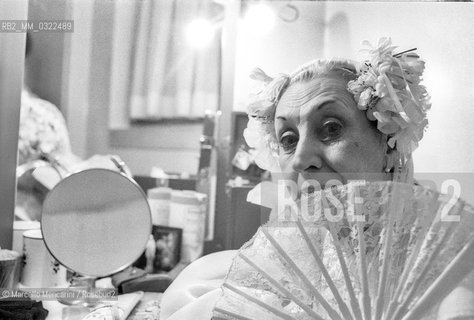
168,78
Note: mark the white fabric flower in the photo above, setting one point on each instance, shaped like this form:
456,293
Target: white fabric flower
42,129
364,98
266,148
388,88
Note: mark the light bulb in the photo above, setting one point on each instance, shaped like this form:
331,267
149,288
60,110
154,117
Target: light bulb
199,33
260,18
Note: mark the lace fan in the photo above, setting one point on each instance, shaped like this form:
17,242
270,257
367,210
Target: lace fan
383,250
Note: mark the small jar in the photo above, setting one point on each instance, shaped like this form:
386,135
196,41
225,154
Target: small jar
159,201
40,268
188,212
9,268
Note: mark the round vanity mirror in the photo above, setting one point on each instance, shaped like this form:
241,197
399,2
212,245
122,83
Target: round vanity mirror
96,222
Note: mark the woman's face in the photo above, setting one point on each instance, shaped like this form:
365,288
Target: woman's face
323,136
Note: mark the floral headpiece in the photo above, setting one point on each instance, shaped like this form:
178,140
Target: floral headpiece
42,131
387,86
260,133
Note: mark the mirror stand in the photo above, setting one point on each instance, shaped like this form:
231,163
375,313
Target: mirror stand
96,223
84,284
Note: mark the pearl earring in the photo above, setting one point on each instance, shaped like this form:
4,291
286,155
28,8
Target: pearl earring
388,163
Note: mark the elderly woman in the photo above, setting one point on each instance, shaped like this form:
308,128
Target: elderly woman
332,122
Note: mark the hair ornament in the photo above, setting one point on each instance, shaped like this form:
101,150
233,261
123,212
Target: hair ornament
388,88
259,133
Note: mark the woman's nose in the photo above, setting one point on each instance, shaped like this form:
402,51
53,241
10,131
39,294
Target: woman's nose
307,156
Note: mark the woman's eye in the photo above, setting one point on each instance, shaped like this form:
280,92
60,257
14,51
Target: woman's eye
288,140
330,130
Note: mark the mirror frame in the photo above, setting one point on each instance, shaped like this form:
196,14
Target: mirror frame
128,182
11,82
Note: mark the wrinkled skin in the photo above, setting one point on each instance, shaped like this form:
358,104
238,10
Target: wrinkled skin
322,134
